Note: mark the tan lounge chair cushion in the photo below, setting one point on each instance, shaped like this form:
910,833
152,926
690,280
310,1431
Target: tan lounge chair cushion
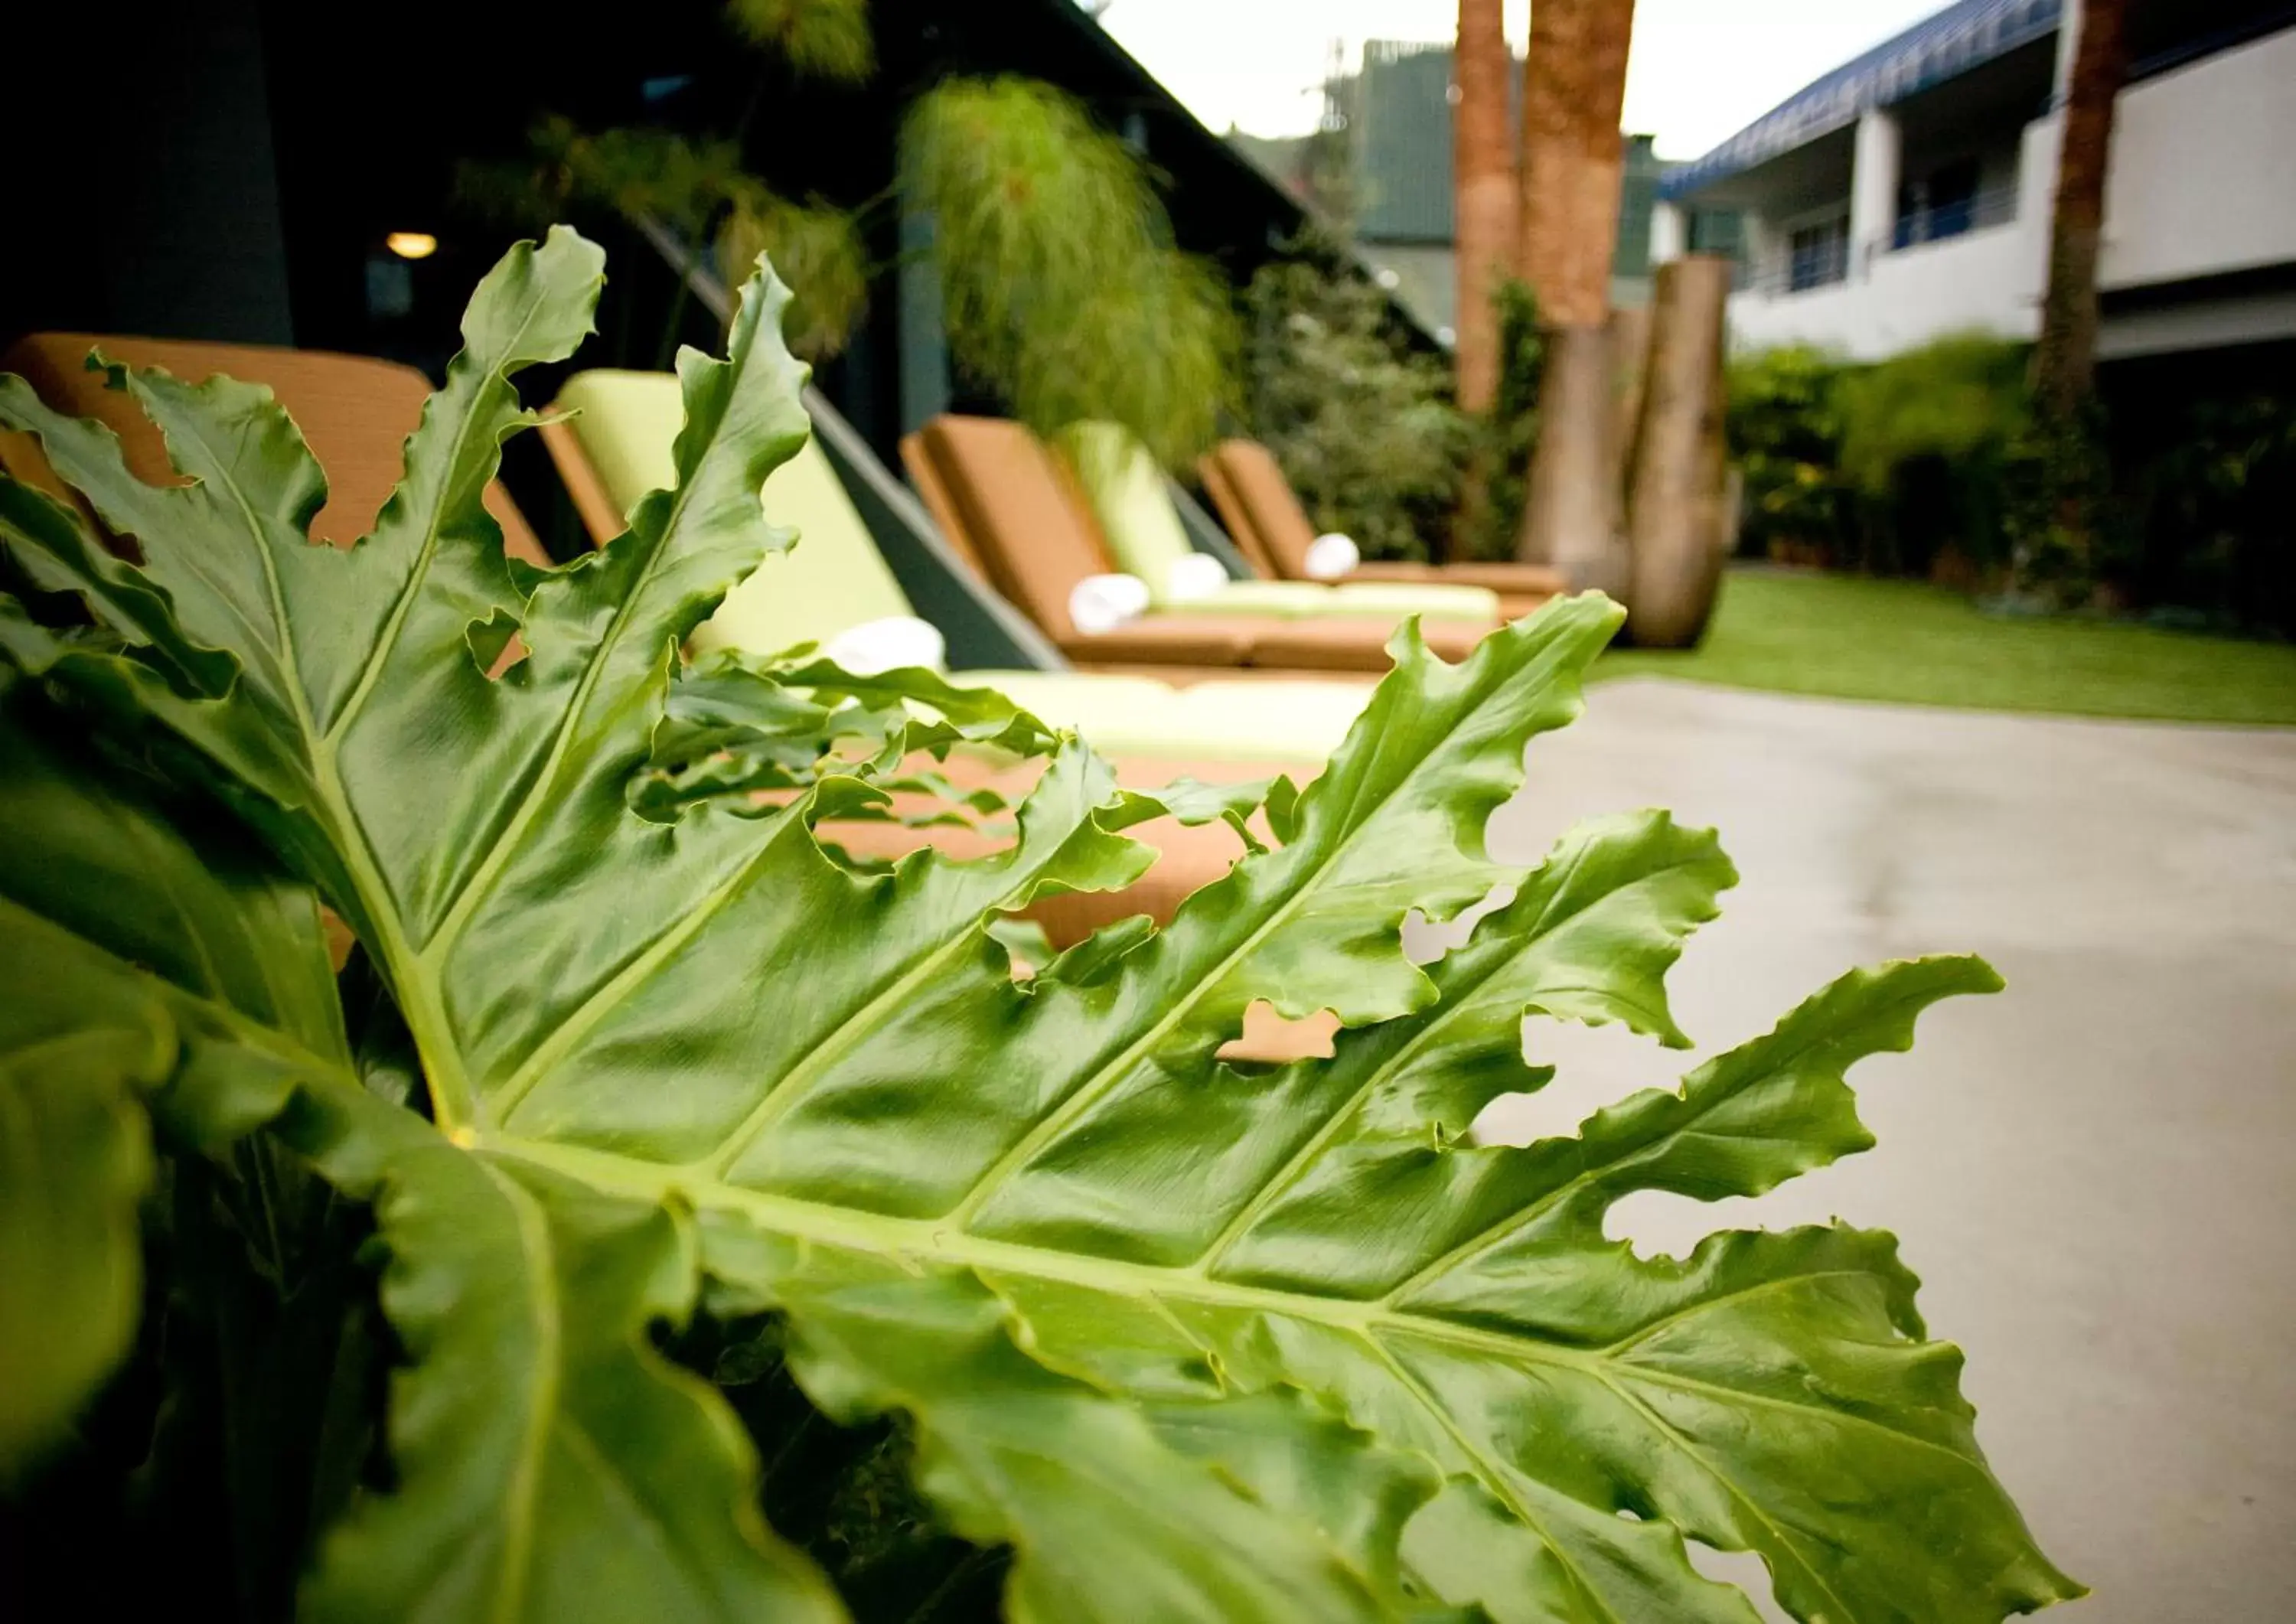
355,411
1241,527
1007,507
1187,860
1022,523
1247,485
1358,645
1034,535
1507,579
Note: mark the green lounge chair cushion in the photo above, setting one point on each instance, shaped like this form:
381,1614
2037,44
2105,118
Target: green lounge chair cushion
1146,538
1126,492
833,580
1253,720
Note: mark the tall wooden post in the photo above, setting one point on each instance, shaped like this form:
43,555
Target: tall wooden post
1628,336
1573,161
1484,191
1679,528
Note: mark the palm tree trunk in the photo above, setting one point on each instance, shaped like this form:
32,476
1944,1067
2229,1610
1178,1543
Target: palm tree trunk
2064,362
1484,189
1574,92
2055,552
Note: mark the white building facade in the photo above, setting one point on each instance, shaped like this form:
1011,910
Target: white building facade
1907,194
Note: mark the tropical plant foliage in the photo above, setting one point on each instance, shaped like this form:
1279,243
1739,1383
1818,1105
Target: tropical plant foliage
702,190
679,1135
2216,489
1364,425
1062,290
1060,283
1499,470
1898,467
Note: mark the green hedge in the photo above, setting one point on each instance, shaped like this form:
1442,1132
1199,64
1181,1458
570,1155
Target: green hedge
1916,466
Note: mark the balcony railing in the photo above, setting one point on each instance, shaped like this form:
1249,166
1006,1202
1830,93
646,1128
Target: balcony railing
1829,261
1939,221
1819,265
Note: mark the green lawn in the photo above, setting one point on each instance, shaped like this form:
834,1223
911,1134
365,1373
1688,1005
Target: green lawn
1916,644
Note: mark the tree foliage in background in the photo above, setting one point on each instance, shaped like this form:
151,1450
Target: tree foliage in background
701,190
2216,501
1498,468
1935,462
822,39
1063,290
1060,285
1364,425
664,1216
1931,443
1784,428
1896,467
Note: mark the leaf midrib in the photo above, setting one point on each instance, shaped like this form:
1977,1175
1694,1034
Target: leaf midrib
935,1241
520,1515
452,1100
427,968
350,835
418,572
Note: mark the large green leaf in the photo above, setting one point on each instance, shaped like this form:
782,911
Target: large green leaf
75,1159
536,1430
1195,1341
83,1044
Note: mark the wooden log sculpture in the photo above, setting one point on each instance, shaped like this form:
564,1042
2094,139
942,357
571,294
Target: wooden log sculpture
1677,517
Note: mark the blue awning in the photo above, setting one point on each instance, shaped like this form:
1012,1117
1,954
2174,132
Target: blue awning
1935,49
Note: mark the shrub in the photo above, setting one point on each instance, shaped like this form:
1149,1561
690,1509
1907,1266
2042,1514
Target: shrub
665,1215
1927,439
1784,432
1061,286
1497,475
2218,506
1363,425
1064,291
1901,467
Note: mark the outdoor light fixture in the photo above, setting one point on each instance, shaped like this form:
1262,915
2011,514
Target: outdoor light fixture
412,244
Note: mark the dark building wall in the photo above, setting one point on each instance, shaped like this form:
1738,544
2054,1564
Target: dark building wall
146,196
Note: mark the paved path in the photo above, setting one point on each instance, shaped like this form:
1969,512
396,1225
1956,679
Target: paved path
2095,1172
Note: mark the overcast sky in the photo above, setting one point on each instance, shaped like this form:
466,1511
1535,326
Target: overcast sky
1699,70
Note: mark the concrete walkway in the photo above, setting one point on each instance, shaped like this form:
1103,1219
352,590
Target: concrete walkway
2095,1172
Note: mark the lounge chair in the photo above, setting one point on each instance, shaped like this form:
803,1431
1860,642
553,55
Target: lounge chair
1010,506
356,413
1263,513
615,444
1147,537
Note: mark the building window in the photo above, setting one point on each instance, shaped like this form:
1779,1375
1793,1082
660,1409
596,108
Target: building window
1942,203
1818,255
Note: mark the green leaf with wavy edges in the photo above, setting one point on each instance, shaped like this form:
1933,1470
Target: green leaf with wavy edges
74,1162
1042,1219
537,1428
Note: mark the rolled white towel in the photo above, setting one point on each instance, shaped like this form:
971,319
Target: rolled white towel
892,644
1103,602
1331,556
1193,578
